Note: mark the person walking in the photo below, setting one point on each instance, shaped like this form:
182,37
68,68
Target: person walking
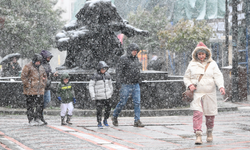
202,76
101,90
66,96
47,56
34,80
128,78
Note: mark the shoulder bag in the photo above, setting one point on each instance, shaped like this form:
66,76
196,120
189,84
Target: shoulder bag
188,95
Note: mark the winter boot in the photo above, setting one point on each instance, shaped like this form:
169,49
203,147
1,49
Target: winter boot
45,123
209,135
138,124
114,121
99,125
198,137
105,122
62,121
68,119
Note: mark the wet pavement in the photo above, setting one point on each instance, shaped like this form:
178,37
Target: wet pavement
231,131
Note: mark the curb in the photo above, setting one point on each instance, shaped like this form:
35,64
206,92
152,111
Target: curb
124,113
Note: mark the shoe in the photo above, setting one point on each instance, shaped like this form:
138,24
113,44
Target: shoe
105,122
209,135
68,119
40,123
138,124
198,140
33,123
114,121
100,125
45,123
62,121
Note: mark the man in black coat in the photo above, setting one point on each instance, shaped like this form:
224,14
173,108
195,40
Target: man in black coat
128,78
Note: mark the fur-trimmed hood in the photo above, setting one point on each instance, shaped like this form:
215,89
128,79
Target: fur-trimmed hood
202,46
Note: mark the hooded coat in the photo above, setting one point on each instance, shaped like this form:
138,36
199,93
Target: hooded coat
205,93
100,86
34,78
65,91
45,54
128,67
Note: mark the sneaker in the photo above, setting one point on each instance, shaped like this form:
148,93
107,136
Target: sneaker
114,121
33,123
100,125
105,122
138,124
40,123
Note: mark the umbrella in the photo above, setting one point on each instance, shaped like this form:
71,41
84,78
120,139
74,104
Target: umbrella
8,57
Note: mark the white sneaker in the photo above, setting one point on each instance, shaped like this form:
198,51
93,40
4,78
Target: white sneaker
33,123
39,122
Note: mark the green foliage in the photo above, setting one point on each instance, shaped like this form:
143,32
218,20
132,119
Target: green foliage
30,26
152,21
185,35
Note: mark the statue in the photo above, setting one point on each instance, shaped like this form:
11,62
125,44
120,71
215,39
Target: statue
92,37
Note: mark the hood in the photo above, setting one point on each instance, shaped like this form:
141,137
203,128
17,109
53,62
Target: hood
132,47
208,53
45,54
101,65
64,76
37,57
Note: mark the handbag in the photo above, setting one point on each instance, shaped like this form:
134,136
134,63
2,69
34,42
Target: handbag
188,95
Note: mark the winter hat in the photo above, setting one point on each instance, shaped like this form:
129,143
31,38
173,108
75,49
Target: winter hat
37,57
102,64
132,47
201,47
64,76
46,54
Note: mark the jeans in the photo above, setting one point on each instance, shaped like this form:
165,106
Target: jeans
47,98
125,91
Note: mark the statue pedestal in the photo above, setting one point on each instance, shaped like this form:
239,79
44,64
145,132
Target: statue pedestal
85,75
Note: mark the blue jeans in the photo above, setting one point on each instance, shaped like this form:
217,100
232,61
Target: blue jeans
46,98
125,91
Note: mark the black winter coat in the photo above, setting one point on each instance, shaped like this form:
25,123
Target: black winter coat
128,70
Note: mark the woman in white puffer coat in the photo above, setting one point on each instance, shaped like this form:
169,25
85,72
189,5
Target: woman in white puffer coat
205,100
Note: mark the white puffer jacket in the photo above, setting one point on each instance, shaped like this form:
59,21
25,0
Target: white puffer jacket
100,86
206,88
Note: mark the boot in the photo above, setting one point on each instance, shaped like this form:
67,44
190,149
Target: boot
62,121
105,122
114,121
68,119
209,135
99,125
45,123
138,124
198,137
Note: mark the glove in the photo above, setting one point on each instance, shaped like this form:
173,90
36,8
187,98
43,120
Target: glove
74,100
59,98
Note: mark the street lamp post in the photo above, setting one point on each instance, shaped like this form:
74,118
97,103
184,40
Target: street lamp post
235,79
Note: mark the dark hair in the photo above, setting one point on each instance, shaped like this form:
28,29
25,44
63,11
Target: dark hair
202,51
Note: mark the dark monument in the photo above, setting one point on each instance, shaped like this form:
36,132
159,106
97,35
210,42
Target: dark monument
92,37
88,40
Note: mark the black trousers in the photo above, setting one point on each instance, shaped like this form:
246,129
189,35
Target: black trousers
34,107
106,103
